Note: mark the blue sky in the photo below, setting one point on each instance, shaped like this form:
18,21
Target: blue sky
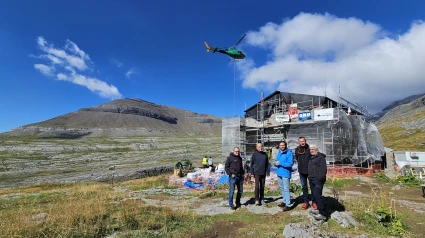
162,41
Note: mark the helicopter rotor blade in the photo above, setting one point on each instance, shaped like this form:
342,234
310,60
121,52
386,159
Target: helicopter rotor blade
239,41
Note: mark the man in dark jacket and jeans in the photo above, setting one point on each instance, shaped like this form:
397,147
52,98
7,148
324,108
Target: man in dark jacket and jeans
317,170
234,169
259,167
302,155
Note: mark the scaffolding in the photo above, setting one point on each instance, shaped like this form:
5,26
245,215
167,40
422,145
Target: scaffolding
345,138
231,134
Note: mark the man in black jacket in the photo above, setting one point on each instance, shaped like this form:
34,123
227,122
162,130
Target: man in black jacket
317,170
302,155
259,167
234,168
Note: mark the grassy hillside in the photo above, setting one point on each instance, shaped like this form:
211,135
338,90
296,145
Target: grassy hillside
398,136
151,208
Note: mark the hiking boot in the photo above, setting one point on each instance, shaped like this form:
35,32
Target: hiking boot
257,203
285,209
314,212
314,206
319,217
305,206
232,208
282,204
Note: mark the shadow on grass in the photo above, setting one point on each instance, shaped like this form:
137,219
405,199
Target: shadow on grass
266,200
331,204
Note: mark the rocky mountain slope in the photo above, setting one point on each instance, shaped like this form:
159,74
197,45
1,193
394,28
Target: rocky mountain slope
394,104
403,127
132,136
123,117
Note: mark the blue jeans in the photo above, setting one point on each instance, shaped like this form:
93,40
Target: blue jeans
284,188
304,185
238,181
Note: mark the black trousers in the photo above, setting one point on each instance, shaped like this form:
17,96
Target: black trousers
304,184
316,187
260,181
384,163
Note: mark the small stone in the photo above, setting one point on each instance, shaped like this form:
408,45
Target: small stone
361,236
340,218
40,217
296,213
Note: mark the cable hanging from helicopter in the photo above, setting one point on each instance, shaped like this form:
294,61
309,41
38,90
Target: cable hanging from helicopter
235,55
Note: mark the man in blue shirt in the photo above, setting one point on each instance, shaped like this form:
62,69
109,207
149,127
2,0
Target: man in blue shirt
284,161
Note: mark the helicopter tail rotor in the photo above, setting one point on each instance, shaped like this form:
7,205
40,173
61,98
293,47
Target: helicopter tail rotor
208,47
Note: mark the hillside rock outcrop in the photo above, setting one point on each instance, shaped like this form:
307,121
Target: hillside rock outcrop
122,117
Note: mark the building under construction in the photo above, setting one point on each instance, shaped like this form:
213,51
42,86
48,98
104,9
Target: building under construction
340,129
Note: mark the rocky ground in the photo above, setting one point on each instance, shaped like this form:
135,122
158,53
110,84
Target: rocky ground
207,203
25,160
347,204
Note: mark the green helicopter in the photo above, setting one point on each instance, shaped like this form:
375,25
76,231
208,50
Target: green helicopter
231,51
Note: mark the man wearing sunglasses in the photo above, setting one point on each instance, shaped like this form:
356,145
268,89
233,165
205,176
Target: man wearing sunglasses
234,168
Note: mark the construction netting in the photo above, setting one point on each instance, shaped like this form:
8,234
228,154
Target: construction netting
351,139
231,134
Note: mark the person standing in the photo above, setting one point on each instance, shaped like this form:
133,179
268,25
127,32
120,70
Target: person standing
317,170
284,162
302,155
259,167
384,161
205,162
210,163
234,168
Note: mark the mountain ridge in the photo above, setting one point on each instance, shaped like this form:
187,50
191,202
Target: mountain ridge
126,114
377,116
403,127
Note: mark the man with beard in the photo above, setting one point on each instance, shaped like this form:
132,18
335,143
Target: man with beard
284,162
302,155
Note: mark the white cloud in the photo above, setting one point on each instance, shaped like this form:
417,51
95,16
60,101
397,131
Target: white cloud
130,72
74,57
45,69
116,62
312,49
71,61
93,84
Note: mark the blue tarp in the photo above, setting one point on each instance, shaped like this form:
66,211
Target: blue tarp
193,185
224,179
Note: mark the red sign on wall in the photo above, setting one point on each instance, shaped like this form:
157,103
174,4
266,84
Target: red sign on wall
293,111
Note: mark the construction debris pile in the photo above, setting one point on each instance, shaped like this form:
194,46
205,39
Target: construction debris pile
200,178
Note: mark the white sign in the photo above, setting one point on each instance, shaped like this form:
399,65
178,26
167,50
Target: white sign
324,114
282,118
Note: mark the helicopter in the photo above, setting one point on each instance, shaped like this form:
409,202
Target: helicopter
231,51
